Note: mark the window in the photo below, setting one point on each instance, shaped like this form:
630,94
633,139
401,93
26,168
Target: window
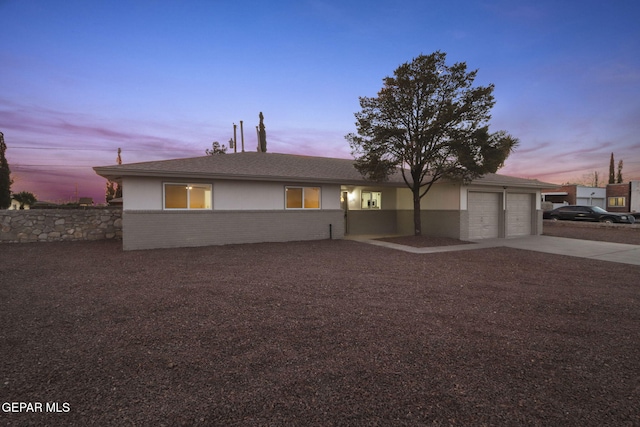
302,197
617,201
187,196
371,200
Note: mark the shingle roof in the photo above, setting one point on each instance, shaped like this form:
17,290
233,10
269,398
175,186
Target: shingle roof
248,166
272,167
495,179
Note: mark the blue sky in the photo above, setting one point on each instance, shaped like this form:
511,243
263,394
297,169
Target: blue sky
164,79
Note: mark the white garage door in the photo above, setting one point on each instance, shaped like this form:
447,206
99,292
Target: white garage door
484,215
519,214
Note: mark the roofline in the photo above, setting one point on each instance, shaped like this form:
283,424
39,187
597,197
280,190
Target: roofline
117,172
117,175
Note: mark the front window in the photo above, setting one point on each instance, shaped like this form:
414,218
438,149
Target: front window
371,200
187,196
302,197
617,201
598,209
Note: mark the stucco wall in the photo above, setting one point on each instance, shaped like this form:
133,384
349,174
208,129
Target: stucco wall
444,223
354,197
141,193
442,196
371,221
249,195
48,225
441,223
146,194
237,195
165,229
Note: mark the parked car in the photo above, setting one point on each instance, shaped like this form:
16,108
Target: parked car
587,213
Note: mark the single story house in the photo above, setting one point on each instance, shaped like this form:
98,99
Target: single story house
254,197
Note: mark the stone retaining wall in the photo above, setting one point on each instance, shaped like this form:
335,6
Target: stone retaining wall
51,225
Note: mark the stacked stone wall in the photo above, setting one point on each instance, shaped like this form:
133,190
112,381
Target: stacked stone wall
52,225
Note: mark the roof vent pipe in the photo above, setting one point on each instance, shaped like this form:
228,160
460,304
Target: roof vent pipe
235,139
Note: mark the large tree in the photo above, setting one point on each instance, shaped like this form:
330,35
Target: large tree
25,198
216,149
431,121
5,176
612,170
619,175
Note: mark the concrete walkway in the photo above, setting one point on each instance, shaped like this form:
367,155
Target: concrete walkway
603,251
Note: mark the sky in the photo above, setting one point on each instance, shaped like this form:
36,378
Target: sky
163,79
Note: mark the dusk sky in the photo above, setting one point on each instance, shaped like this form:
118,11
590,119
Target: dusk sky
164,79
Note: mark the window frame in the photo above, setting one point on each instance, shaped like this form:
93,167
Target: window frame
373,196
617,199
302,187
189,186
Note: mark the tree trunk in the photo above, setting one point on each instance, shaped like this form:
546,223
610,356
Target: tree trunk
417,223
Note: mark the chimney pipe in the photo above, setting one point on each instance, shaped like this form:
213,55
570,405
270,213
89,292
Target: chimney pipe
242,135
235,141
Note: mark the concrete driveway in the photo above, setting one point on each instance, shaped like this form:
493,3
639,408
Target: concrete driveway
603,251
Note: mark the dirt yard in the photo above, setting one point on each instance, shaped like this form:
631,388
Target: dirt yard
315,333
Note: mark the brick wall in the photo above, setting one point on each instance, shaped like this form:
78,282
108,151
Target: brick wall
162,229
441,223
569,199
35,225
371,221
618,190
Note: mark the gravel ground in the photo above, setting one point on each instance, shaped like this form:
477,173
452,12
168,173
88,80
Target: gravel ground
316,333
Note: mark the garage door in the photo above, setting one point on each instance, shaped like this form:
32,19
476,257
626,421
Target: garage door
519,214
484,215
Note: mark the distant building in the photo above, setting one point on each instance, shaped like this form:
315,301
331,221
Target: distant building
614,198
575,195
85,201
623,197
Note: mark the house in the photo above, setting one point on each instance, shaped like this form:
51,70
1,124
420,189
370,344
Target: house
253,197
623,197
85,201
16,205
573,194
614,198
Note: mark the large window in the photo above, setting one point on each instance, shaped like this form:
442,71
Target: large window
302,197
187,196
617,201
371,200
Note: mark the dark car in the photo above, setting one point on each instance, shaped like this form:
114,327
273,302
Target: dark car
587,213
